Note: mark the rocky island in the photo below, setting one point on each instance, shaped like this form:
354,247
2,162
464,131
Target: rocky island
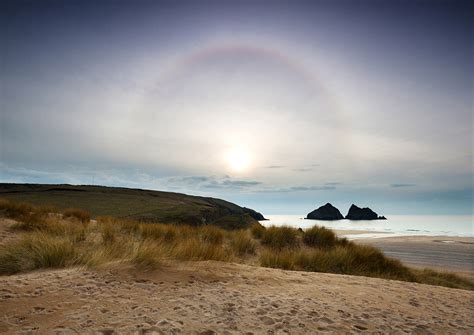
357,213
327,212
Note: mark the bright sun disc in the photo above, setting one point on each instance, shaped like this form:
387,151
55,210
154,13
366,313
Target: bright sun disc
238,159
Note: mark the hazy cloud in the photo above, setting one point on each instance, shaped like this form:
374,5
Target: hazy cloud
296,189
397,185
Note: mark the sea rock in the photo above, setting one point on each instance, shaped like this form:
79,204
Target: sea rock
327,212
357,213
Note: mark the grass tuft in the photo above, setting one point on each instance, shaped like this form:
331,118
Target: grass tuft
242,244
147,256
76,213
36,251
211,234
193,249
257,230
319,237
280,237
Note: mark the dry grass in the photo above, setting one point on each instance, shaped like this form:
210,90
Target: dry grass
319,237
36,251
50,242
279,238
79,214
147,256
257,230
242,243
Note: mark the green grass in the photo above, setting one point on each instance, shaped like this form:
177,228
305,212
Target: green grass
55,242
139,205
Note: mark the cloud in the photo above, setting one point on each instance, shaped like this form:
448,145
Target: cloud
398,185
274,167
297,189
333,183
210,182
303,169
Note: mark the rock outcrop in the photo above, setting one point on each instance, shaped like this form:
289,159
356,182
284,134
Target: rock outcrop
327,212
357,213
254,214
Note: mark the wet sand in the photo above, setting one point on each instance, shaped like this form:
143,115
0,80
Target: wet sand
444,253
225,298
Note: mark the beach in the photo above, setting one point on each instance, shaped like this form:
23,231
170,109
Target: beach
445,253
224,298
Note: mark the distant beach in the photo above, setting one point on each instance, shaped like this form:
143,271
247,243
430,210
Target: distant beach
396,225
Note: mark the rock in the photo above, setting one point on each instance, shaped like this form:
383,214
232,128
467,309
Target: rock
357,213
254,214
327,212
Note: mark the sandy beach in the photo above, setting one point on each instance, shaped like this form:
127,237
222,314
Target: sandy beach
222,298
444,253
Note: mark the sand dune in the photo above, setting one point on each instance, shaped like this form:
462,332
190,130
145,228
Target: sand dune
223,298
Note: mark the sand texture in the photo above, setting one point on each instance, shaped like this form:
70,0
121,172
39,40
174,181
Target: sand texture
225,298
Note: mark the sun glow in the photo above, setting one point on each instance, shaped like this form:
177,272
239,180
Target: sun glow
238,159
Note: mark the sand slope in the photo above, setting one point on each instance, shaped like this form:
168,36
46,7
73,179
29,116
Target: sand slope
207,297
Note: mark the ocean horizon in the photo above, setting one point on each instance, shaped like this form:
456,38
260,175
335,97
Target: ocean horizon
395,225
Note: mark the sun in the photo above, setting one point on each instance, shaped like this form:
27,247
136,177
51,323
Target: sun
238,159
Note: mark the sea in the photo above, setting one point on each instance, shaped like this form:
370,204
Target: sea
395,225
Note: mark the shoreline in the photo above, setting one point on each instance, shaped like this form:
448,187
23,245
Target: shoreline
444,253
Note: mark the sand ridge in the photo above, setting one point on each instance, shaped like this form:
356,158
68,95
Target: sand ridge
225,298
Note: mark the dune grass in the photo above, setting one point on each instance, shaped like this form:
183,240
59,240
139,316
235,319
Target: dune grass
36,251
49,241
319,237
76,213
279,238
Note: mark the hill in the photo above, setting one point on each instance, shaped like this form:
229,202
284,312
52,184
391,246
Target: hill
137,204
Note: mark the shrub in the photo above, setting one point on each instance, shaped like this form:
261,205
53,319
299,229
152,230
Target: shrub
211,234
242,244
257,230
280,237
76,213
319,237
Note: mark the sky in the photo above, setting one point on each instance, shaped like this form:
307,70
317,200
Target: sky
281,106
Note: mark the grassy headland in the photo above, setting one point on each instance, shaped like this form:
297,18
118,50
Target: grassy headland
135,204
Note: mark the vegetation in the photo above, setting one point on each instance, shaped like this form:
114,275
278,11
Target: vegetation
280,237
319,237
134,204
79,214
51,241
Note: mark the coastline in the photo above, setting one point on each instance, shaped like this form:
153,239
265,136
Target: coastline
445,253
